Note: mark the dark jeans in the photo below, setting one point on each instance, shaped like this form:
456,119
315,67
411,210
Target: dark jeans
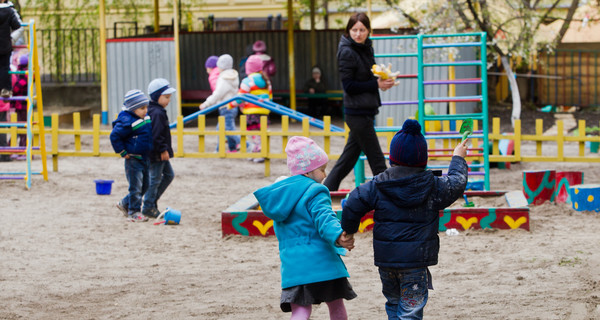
406,292
22,116
229,114
136,171
161,175
363,138
5,82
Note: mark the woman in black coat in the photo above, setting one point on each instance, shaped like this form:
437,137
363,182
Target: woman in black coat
361,100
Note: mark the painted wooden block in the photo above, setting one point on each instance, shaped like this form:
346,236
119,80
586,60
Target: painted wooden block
245,217
585,197
538,186
564,180
246,223
255,223
484,193
484,218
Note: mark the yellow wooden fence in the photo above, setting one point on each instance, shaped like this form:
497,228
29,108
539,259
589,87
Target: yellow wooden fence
82,137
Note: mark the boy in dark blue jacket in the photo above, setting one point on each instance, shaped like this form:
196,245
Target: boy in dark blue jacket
161,171
131,137
407,200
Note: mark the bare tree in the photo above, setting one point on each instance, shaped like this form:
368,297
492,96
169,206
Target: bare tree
513,27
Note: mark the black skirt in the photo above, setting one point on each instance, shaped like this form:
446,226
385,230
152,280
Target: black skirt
315,293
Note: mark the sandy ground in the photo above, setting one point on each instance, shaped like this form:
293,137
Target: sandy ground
67,253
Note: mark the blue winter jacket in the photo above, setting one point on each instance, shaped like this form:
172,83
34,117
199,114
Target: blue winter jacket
406,202
306,228
131,135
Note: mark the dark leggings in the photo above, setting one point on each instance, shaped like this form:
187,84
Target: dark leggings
363,138
5,82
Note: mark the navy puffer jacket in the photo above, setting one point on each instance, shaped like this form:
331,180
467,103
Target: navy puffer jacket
9,22
161,132
131,135
407,202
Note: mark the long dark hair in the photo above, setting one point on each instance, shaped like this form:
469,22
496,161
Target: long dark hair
356,17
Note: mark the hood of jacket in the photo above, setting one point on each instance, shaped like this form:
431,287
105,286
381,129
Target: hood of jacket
405,186
348,42
229,74
289,191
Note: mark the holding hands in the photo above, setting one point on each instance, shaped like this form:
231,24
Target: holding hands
346,241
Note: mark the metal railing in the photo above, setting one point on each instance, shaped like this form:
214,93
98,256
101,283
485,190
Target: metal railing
72,55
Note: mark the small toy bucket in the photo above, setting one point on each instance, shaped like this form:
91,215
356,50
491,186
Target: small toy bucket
172,216
103,186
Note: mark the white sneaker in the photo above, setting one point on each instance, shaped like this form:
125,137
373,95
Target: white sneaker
137,217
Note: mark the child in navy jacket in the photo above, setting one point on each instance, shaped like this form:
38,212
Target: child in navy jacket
407,200
161,171
131,137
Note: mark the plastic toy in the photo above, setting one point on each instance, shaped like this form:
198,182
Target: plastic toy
466,128
383,72
467,203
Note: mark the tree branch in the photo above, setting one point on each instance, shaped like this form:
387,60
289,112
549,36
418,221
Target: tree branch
567,22
484,26
411,19
461,14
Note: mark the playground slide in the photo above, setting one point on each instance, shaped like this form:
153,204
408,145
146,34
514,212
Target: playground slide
267,104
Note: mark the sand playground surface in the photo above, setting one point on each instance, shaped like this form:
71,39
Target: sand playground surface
68,253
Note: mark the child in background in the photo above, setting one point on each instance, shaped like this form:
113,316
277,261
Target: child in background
161,171
10,31
407,200
213,71
131,137
310,237
20,106
268,68
256,83
226,88
314,85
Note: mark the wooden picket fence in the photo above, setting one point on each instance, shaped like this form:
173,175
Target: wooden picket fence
94,141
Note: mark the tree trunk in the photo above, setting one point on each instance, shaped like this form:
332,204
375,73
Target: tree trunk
514,89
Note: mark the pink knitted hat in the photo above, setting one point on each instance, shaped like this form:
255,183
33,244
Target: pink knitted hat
304,155
254,64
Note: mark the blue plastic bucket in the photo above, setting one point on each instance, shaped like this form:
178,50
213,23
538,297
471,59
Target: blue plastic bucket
103,186
172,216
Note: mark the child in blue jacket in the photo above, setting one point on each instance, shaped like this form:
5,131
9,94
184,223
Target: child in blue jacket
131,137
407,200
310,237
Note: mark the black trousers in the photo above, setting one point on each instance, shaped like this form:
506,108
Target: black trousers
3,140
363,138
5,82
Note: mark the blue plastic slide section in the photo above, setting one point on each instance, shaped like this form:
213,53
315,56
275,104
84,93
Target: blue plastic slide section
267,104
